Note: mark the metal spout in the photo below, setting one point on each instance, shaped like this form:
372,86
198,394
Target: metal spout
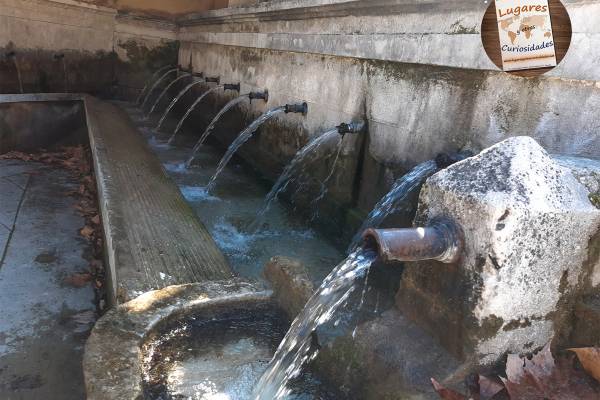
216,80
352,127
232,86
297,108
259,95
198,74
441,240
59,56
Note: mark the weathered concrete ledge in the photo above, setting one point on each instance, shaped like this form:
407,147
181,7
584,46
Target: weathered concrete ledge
153,239
113,353
408,31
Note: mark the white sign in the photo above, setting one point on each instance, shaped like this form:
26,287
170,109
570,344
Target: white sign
526,39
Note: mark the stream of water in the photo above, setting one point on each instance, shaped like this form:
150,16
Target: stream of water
179,96
155,86
242,138
396,198
147,85
65,74
189,111
18,68
210,127
165,91
292,171
297,348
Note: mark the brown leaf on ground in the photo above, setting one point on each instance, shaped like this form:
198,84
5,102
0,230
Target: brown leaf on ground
445,393
541,377
589,357
78,280
480,388
87,232
96,219
489,388
16,155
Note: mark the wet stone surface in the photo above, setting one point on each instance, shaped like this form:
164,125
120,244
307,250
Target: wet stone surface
218,354
44,320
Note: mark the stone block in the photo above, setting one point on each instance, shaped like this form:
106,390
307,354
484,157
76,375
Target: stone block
291,284
527,224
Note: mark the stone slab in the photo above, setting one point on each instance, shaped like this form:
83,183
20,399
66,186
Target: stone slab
153,237
44,321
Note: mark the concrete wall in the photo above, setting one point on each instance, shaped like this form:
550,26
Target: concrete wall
101,47
417,72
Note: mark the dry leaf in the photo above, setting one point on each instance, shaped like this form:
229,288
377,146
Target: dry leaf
87,232
544,378
96,220
488,388
78,280
480,388
445,393
590,359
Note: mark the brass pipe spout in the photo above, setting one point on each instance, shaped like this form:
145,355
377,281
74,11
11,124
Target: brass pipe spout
441,240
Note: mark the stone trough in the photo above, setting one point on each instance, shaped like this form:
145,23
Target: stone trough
153,239
113,362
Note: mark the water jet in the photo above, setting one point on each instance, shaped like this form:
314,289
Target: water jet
298,162
61,57
166,90
246,134
156,85
149,81
252,95
12,55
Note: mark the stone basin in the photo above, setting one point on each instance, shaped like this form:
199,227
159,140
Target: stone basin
199,341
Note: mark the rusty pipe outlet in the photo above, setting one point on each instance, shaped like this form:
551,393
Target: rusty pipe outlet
441,240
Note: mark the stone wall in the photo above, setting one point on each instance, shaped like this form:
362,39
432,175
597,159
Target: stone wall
417,73
101,48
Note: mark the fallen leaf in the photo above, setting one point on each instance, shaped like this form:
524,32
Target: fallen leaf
84,321
96,219
87,232
488,388
480,388
78,280
590,359
445,393
541,377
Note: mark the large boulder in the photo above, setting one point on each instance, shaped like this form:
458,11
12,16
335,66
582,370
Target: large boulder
527,224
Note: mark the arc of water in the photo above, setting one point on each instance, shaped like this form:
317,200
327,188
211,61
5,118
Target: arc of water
189,110
296,349
210,127
65,74
166,90
325,183
242,138
152,78
395,199
179,96
18,68
289,172
155,86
